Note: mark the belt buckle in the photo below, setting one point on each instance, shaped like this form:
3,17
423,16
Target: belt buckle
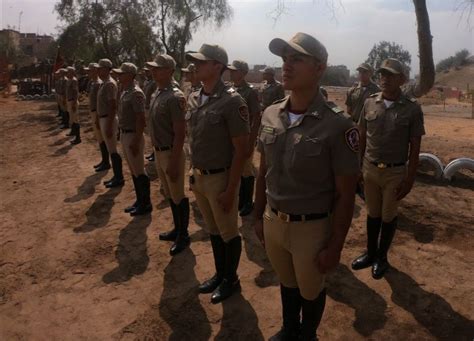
381,165
283,216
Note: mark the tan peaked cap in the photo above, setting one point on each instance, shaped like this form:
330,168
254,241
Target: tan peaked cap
301,43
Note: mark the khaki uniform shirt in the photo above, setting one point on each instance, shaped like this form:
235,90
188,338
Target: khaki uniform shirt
272,92
167,106
250,95
107,92
132,102
149,88
94,86
389,129
57,86
64,87
303,158
356,97
72,89
213,124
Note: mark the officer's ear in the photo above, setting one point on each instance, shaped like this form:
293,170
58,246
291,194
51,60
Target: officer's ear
320,68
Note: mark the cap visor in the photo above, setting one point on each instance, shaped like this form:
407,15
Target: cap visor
279,46
231,67
389,69
196,56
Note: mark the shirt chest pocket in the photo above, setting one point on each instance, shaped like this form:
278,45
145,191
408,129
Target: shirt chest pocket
213,117
308,147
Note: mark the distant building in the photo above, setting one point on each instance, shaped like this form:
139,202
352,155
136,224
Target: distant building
34,47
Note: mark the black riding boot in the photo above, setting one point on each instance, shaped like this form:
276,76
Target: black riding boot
231,282
368,258
77,134
381,264
65,122
291,307
105,163
312,312
135,204
218,251
247,205
144,203
182,239
172,234
117,179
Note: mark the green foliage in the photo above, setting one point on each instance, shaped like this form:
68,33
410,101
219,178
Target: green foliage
134,30
336,75
458,59
384,50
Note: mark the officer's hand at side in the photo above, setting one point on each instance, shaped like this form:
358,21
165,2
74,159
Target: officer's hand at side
225,200
327,260
404,188
258,226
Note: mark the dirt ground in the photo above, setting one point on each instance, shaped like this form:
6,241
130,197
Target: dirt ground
73,266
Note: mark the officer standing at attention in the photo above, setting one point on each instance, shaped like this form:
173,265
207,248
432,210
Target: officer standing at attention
61,91
190,76
238,71
131,113
149,87
391,126
72,96
357,95
56,87
305,187
107,112
93,89
167,131
272,89
218,122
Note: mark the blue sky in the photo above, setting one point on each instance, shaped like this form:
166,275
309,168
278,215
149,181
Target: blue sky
348,36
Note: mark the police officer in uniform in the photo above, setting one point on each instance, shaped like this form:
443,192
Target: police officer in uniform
272,89
61,91
357,95
131,114
107,112
56,87
391,126
305,187
238,71
218,122
189,73
149,88
168,130
72,96
93,89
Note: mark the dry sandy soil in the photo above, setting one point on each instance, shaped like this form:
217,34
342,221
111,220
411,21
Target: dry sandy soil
73,266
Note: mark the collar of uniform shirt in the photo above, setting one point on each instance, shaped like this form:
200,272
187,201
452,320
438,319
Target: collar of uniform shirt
216,92
314,109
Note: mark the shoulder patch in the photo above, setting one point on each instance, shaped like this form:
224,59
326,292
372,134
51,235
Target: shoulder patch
352,139
244,113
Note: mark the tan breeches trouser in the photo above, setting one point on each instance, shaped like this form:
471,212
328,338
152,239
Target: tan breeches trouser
380,190
136,163
96,126
173,190
111,141
206,189
72,108
292,248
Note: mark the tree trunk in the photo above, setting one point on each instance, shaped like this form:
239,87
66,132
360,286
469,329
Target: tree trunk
427,69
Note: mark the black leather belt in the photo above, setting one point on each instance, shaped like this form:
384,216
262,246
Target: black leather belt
125,131
163,149
299,217
210,171
382,165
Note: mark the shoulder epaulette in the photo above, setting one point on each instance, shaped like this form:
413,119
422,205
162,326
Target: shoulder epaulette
230,90
334,107
412,99
279,100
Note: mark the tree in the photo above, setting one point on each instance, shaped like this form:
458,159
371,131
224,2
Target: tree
425,42
384,50
336,75
135,30
458,59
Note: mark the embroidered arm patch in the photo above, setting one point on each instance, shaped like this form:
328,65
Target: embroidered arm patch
352,139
